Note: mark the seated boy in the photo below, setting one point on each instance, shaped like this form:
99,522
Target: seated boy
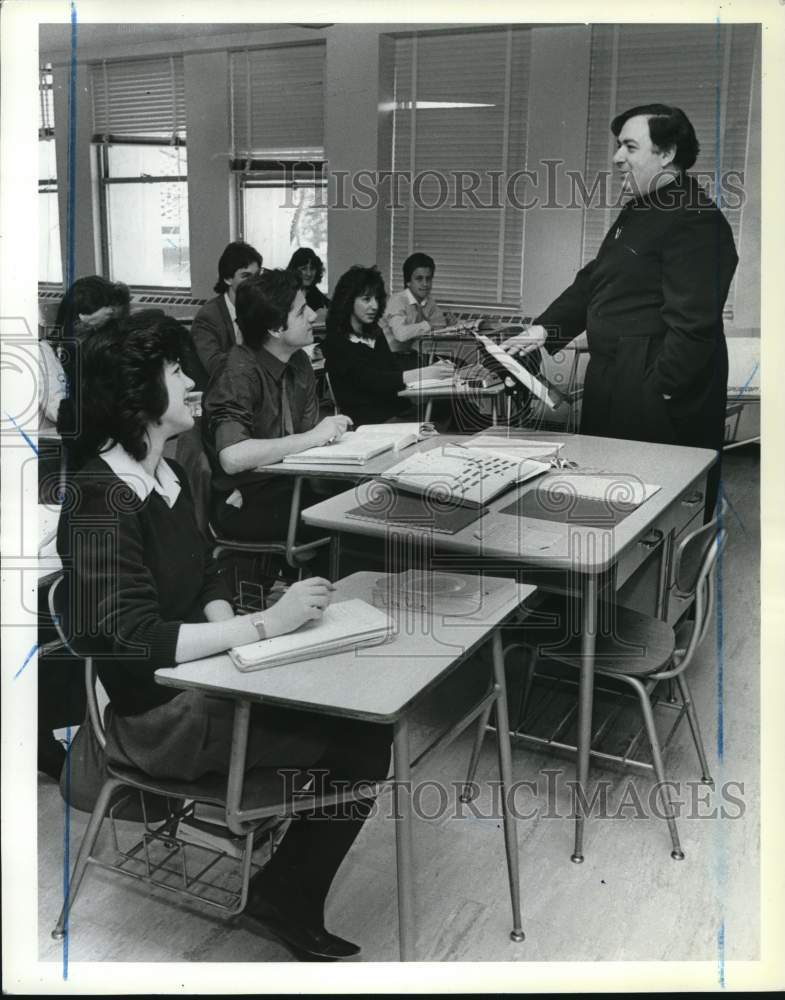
413,313
215,328
262,405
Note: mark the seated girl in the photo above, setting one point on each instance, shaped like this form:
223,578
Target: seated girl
308,264
365,375
145,593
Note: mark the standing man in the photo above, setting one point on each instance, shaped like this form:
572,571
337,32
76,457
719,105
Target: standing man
651,301
215,328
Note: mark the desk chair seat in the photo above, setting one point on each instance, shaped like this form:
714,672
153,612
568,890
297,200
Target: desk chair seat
636,650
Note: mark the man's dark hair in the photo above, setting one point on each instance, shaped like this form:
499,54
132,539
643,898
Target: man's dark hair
235,256
669,128
122,388
413,261
303,256
351,285
263,302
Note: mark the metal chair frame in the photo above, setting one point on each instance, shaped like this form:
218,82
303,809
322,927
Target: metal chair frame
645,691
161,869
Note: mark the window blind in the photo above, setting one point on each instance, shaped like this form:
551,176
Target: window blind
706,70
461,105
139,99
46,116
277,102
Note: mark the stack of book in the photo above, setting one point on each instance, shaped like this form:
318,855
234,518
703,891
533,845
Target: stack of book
206,828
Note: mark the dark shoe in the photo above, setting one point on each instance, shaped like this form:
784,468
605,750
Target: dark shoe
313,943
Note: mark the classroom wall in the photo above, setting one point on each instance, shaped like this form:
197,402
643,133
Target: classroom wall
357,135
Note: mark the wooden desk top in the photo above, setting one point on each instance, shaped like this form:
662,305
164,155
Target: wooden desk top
548,544
375,683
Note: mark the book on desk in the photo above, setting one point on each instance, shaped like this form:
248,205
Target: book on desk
359,446
346,625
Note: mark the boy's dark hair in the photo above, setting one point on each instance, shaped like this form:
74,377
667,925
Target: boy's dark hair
263,303
235,256
413,261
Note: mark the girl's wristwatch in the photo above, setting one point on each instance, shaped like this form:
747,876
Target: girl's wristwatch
257,620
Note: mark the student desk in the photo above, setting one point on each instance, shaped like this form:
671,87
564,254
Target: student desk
300,471
560,555
380,684
451,391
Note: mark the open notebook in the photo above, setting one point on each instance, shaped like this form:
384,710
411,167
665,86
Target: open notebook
357,447
342,626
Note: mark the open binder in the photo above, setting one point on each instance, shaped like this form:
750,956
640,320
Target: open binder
342,626
497,360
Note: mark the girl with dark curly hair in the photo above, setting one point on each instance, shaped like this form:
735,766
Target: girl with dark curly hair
144,592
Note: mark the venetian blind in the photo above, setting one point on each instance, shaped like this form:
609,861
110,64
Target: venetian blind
706,70
277,102
139,99
46,117
459,116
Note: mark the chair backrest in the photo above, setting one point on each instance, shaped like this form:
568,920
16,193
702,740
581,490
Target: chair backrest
330,393
57,599
695,566
191,455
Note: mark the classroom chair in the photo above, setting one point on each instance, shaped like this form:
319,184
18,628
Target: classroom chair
191,455
160,858
636,650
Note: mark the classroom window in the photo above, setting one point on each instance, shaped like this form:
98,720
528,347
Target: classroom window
139,135
50,265
145,214
277,136
460,109
281,212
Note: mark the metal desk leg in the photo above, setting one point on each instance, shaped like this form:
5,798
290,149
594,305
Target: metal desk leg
335,558
403,840
585,698
505,772
494,411
294,517
428,409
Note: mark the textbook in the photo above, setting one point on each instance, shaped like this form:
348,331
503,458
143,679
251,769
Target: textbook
357,447
345,625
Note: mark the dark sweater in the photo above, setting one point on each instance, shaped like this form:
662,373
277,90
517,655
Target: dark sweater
136,570
365,380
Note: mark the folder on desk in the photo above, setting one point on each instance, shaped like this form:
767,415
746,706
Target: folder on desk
346,625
